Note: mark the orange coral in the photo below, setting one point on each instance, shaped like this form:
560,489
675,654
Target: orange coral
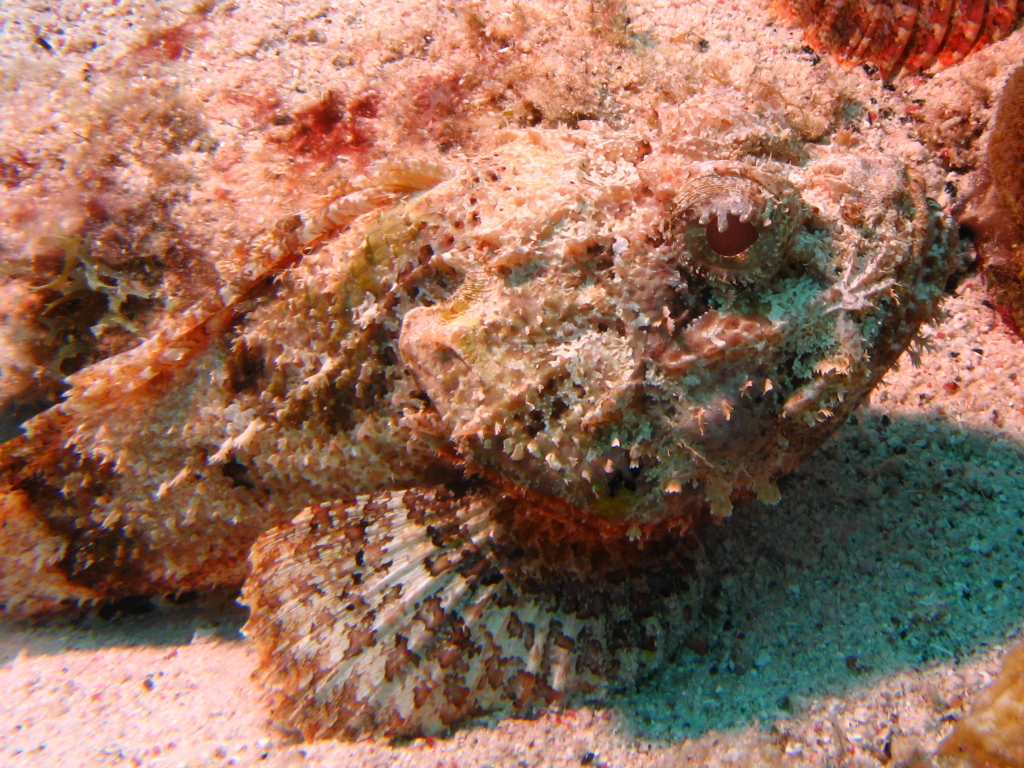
995,212
1006,146
992,736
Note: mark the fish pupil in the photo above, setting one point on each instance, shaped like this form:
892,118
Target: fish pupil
734,239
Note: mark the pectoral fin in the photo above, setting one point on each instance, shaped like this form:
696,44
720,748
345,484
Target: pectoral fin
407,613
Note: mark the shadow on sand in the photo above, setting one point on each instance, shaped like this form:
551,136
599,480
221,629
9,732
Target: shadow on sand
133,621
897,545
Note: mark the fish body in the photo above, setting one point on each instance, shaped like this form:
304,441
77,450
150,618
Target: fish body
456,428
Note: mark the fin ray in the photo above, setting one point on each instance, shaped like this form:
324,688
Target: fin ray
406,613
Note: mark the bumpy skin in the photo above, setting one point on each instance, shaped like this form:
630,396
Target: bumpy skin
501,393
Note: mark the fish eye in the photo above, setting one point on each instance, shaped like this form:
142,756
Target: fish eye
734,223
731,237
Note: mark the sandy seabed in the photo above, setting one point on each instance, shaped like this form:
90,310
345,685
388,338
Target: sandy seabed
850,625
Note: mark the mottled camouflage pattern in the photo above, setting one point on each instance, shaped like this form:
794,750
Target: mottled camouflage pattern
499,392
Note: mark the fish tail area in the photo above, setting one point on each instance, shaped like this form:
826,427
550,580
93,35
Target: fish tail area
33,553
31,579
408,613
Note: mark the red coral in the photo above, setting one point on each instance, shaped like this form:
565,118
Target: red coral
169,44
330,127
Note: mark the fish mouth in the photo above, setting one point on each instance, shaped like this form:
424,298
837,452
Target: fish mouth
717,338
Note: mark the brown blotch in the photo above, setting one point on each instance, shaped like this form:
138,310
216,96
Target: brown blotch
559,638
238,474
528,635
448,657
245,368
521,686
455,693
515,626
431,613
591,657
359,639
420,695
494,674
400,658
437,565
16,168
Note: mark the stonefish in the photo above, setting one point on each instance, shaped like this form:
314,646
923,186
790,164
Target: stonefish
467,416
